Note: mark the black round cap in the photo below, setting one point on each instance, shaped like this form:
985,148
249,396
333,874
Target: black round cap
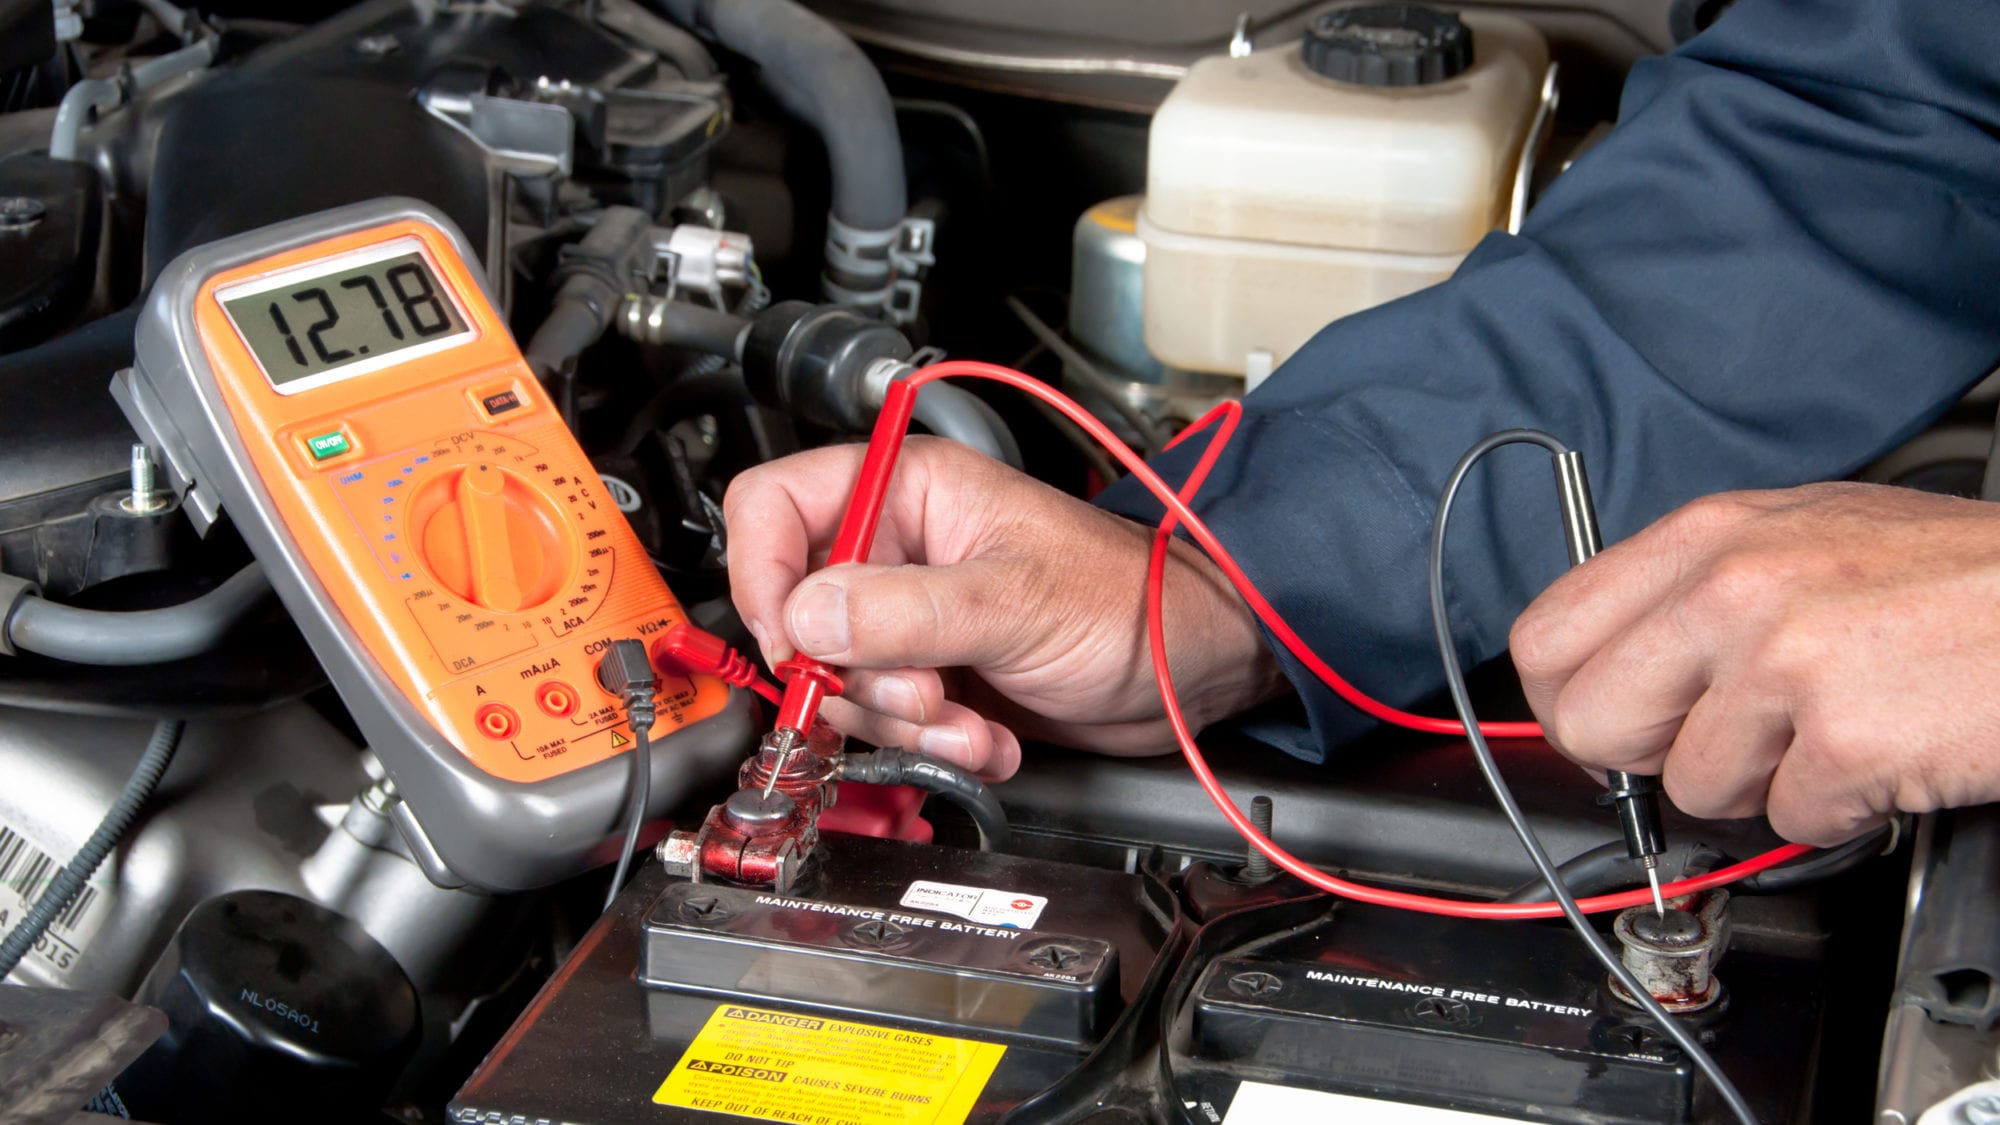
1388,45
277,1008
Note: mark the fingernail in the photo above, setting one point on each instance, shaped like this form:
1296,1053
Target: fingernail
897,697
819,619
950,743
763,640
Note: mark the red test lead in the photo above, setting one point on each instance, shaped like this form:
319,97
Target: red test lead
811,680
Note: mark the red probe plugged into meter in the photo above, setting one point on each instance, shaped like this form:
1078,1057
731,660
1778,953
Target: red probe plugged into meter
341,386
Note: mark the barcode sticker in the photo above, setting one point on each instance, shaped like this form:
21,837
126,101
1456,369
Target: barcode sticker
27,869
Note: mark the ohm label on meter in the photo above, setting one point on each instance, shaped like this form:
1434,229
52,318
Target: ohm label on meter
781,1066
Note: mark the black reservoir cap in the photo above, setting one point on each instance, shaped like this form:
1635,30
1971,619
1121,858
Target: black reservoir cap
1388,45
272,1001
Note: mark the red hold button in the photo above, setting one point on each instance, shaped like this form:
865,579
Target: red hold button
500,403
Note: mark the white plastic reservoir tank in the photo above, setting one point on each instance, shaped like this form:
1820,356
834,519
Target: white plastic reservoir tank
1295,185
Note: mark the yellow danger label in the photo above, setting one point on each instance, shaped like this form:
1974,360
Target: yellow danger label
776,1066
619,739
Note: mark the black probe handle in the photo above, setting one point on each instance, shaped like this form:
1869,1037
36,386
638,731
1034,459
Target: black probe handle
1636,796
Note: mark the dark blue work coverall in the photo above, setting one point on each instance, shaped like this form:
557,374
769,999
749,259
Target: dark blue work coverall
1784,261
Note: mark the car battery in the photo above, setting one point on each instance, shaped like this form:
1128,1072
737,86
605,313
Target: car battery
900,983
1474,1020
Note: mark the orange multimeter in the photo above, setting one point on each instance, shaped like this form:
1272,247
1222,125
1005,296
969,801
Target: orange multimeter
342,388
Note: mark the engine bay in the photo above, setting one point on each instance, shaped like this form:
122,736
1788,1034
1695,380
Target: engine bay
372,378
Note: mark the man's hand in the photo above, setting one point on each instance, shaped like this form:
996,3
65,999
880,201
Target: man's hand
1821,654
1033,603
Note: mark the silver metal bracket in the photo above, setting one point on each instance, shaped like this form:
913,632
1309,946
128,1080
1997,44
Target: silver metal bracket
1531,149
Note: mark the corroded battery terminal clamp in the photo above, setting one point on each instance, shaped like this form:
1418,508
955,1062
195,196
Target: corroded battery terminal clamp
765,833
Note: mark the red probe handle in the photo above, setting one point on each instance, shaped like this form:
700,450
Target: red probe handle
808,681
871,488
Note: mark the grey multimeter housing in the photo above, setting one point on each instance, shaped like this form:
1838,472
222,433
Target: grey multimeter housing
463,825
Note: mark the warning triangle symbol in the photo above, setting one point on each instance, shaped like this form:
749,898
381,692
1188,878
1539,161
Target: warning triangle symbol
618,740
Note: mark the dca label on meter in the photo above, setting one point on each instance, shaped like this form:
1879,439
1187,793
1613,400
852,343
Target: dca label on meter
784,1067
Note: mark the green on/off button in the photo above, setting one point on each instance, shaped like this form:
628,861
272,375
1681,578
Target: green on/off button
330,444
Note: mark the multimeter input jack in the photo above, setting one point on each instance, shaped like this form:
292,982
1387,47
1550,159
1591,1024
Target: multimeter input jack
497,720
557,699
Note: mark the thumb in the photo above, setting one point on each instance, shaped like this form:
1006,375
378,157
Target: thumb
872,616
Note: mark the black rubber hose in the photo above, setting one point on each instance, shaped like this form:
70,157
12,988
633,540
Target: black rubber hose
826,79
683,324
895,766
671,43
572,325
143,636
965,418
70,881
593,279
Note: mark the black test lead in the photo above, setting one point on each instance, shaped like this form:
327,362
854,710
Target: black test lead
1635,796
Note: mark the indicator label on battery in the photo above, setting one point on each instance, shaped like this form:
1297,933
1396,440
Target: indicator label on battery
778,1066
976,904
27,867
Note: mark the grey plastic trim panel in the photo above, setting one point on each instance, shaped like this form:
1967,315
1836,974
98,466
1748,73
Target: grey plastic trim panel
494,834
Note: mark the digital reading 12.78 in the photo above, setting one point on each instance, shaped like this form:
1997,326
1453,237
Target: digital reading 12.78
319,323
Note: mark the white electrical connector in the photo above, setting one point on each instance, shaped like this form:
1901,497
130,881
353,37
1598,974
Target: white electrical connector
703,259
69,22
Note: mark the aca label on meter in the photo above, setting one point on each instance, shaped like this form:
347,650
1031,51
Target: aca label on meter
779,1066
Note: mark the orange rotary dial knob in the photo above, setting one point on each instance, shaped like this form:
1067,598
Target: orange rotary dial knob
492,538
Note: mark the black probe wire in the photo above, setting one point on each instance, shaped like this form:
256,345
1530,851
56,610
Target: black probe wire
1461,699
627,671
641,795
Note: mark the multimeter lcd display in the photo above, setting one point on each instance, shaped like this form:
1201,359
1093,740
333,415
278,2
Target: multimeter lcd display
308,326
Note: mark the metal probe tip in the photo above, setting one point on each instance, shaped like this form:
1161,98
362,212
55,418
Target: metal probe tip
1652,865
785,739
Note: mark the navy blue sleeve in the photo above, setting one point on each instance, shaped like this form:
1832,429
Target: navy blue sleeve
1783,261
